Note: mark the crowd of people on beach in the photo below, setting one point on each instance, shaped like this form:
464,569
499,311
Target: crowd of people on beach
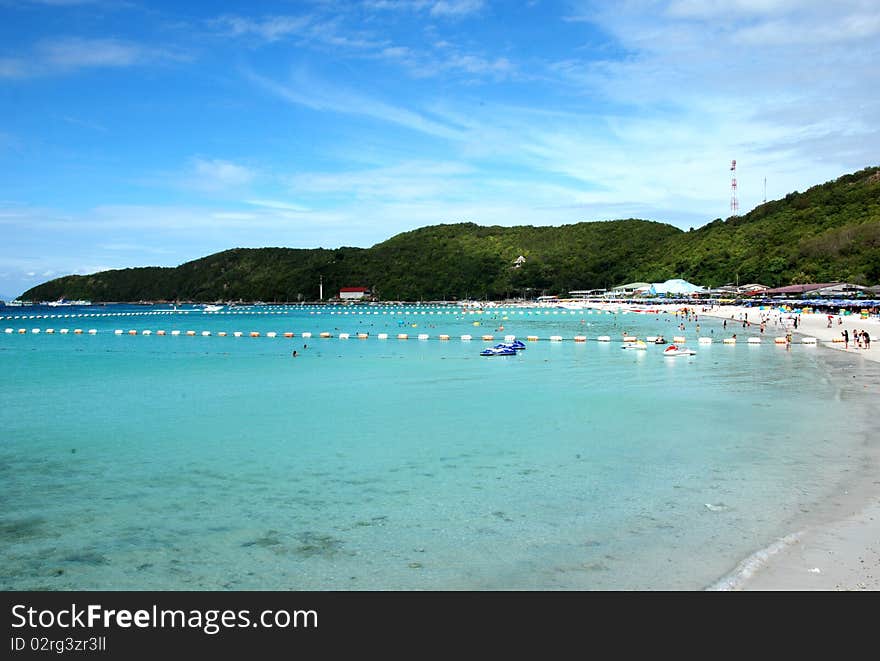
861,339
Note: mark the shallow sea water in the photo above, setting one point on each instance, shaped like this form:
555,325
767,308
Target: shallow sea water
214,463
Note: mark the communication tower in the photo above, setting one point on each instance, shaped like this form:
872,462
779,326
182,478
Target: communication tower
734,203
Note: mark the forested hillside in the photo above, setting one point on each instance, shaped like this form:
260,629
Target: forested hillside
830,232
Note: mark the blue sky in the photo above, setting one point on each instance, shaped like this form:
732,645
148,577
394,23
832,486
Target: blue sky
151,133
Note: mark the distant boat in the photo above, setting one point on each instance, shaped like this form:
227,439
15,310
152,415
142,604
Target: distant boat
62,302
638,344
213,308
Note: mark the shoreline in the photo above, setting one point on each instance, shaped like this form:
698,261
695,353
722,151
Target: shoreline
840,549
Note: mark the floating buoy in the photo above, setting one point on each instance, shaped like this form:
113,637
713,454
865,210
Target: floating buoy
779,340
221,334
705,340
271,334
190,333
532,338
556,338
117,332
238,333
77,331
402,336
603,338
754,340
63,331
808,340
580,338
175,332
382,336
630,338
488,338
423,336
363,336
444,337
206,333
679,339
132,332
466,338
255,334
835,340
343,336
652,338
509,338
93,331
35,330
729,340
160,332
50,330
146,332
306,335
288,335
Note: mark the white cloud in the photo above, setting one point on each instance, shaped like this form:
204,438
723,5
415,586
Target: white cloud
218,175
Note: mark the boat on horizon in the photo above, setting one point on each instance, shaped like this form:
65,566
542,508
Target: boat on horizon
63,302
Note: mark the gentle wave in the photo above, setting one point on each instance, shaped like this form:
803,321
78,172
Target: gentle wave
755,562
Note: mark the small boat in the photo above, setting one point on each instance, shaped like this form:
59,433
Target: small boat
213,308
675,350
660,340
516,345
498,351
638,344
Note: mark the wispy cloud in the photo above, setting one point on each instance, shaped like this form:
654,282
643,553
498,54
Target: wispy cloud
317,95
763,81
68,54
439,8
326,31
410,180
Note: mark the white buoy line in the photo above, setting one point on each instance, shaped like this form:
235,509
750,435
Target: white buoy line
580,339
317,311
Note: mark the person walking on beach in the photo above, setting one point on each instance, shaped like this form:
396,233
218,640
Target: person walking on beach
845,334
867,339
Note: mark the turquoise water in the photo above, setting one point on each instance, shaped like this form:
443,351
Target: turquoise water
181,462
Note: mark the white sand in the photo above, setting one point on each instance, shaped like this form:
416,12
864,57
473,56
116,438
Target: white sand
809,325
844,553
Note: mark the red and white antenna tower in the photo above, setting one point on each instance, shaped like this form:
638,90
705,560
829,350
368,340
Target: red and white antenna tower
734,203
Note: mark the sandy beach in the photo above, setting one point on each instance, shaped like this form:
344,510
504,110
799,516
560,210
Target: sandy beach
843,551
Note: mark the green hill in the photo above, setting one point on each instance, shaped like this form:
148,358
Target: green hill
830,232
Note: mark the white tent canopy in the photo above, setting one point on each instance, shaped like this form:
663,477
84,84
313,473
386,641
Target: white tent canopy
674,287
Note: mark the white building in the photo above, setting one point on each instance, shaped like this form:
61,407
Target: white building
353,293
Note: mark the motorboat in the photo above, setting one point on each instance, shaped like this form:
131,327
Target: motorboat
675,350
638,344
213,308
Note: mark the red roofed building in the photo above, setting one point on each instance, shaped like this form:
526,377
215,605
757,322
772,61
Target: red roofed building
353,293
